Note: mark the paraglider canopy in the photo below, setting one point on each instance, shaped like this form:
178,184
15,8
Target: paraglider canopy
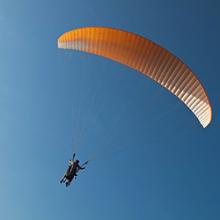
148,58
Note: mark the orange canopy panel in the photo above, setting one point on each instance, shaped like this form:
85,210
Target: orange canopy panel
148,58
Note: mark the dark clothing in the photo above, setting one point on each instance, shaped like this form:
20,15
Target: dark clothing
72,170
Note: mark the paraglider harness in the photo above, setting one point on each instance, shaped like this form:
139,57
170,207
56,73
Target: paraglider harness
72,170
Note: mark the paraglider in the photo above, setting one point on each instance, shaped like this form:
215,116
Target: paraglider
146,57
72,171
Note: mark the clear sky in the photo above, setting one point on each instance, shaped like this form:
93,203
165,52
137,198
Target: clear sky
152,158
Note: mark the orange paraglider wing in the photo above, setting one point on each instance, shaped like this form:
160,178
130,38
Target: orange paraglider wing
148,58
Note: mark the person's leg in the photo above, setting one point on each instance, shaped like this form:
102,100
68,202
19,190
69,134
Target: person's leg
67,183
62,180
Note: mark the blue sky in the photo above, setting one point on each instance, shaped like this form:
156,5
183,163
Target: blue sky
152,159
